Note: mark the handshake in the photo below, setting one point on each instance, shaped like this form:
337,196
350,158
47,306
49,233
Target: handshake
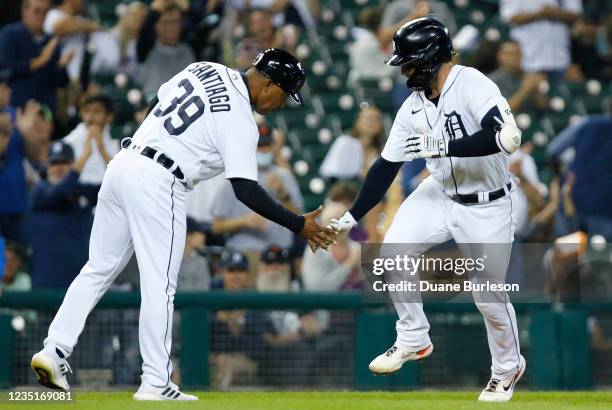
320,237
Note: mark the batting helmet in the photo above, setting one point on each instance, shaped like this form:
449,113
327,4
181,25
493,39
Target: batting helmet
282,69
423,44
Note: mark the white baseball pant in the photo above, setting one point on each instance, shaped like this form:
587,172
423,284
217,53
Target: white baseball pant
429,217
141,207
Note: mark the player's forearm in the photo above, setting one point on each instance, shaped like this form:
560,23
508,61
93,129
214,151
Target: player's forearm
257,199
377,182
152,104
479,144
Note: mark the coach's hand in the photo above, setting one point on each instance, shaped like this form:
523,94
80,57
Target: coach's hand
424,146
317,236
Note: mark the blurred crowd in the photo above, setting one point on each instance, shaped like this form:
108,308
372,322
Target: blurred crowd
58,131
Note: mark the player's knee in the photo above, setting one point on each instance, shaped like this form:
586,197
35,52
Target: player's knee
508,138
493,311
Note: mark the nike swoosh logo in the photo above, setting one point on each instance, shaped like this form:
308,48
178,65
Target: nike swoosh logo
414,112
506,388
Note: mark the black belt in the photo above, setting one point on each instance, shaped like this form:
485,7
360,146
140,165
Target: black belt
481,197
162,159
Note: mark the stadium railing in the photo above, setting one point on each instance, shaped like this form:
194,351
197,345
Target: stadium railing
555,338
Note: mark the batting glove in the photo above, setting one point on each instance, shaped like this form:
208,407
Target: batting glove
345,223
424,146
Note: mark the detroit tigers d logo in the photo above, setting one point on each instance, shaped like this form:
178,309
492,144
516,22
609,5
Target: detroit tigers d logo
454,126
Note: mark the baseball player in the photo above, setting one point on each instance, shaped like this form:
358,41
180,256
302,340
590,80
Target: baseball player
458,121
199,125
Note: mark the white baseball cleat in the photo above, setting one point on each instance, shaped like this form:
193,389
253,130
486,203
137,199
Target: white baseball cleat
502,389
394,358
170,392
51,369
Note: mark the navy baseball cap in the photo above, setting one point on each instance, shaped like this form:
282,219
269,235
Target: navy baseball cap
283,69
60,152
274,254
234,260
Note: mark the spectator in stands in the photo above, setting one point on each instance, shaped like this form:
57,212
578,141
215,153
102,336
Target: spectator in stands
262,34
586,150
297,13
366,55
521,89
274,273
200,201
558,217
344,193
32,57
14,279
168,56
484,58
541,28
115,49
528,197
19,140
292,331
337,269
245,230
350,156
237,335
66,22
97,114
584,56
61,217
399,12
194,273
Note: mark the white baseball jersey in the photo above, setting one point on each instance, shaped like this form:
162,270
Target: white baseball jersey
467,96
205,123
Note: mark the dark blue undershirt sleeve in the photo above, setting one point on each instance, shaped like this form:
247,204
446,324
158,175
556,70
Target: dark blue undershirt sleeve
482,142
378,180
152,104
251,194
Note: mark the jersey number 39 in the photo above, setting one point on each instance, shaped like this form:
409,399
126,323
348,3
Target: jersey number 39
189,110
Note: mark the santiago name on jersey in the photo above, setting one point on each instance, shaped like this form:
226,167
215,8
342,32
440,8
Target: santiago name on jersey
204,122
467,96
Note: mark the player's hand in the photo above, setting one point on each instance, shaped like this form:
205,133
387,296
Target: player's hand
317,236
424,146
345,223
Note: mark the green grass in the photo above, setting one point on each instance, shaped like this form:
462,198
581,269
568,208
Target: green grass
417,400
